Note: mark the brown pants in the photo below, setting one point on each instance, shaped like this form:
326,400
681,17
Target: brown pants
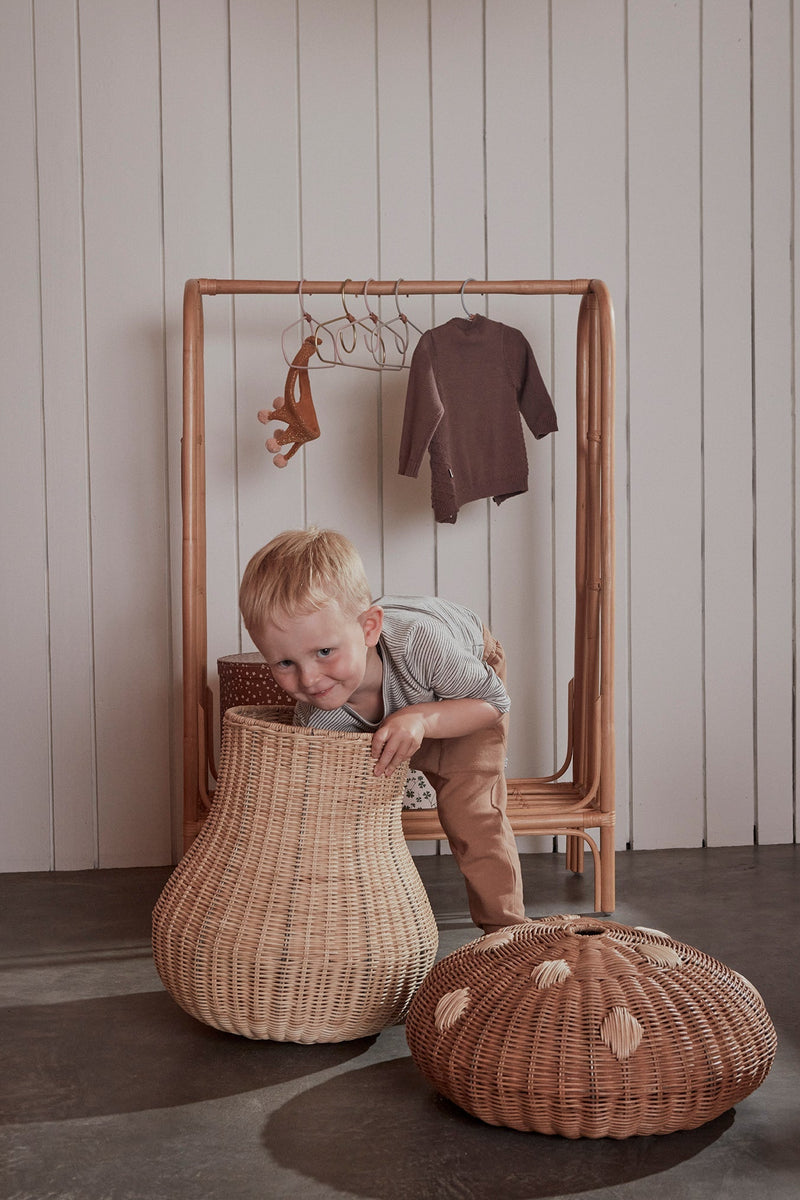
468,775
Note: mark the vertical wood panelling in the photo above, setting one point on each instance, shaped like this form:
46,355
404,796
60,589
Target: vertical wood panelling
405,250
125,373
64,394
796,363
197,241
773,340
266,232
665,428
457,118
518,244
727,421
338,162
405,239
24,728
589,233
437,137
458,189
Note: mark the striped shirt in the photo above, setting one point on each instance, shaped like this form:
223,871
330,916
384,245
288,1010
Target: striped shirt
431,649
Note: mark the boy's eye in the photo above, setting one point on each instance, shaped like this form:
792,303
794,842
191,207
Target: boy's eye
283,664
326,652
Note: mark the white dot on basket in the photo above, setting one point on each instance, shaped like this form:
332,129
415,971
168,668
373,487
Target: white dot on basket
450,1007
555,970
659,956
653,932
490,941
621,1032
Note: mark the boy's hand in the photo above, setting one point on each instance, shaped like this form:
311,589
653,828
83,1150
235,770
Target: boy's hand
402,733
398,738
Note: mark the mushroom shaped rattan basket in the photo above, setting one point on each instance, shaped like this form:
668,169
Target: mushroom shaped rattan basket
573,1026
297,914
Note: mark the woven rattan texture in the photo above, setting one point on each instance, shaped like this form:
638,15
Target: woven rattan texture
297,914
589,1029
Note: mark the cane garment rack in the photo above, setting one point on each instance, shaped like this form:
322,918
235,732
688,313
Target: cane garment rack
547,805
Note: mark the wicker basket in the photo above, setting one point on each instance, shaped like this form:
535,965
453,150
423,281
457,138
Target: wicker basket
584,1028
297,914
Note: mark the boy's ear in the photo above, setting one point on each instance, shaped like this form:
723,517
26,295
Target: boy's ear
371,621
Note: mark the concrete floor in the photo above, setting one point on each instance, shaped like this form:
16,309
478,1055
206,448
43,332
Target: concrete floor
111,1092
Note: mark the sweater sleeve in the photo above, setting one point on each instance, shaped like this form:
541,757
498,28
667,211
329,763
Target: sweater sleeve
423,411
532,395
449,670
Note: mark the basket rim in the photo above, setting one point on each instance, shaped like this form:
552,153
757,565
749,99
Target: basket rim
246,715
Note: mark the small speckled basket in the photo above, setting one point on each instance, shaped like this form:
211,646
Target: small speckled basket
246,679
585,1028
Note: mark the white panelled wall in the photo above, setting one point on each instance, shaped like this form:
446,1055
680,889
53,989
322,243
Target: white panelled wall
652,145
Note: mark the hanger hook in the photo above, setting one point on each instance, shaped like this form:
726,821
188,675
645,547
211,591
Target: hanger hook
365,298
347,312
375,342
307,315
400,312
406,320
351,325
463,305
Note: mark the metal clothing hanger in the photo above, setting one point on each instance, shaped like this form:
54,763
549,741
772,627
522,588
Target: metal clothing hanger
335,344
339,338
404,320
463,305
375,342
308,320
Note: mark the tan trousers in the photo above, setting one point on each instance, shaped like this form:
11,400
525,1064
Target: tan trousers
468,775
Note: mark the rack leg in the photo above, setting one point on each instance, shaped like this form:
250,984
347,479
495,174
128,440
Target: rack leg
575,854
608,872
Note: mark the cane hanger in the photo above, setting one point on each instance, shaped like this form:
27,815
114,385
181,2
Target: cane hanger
307,319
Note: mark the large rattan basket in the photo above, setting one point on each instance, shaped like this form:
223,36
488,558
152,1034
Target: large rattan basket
589,1029
297,914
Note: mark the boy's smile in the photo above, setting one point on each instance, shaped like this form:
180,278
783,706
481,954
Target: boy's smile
326,658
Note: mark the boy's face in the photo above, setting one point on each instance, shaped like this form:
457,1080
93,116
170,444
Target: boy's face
320,657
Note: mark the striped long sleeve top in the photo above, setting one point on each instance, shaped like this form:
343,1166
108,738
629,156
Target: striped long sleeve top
431,649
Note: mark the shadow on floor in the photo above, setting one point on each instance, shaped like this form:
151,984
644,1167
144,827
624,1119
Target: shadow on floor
340,1131
124,1054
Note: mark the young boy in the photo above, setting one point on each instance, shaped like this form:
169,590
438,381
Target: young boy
423,675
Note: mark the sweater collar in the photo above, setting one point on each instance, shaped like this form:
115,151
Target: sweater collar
468,325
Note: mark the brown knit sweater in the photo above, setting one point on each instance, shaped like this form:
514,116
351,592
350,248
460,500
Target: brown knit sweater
469,381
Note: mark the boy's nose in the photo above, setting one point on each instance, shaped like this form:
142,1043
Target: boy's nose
308,677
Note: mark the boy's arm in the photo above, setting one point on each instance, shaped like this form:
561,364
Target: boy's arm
401,733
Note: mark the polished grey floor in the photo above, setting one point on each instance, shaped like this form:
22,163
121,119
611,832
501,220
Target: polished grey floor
111,1092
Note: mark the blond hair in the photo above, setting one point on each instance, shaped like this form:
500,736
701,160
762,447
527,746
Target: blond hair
300,571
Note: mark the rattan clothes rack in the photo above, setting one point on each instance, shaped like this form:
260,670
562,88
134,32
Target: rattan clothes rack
547,805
